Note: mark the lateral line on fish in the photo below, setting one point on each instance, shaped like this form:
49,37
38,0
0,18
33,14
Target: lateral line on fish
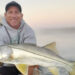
59,60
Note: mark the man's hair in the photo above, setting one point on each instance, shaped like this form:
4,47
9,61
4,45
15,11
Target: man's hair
13,3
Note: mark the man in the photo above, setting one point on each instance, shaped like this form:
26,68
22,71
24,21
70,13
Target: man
14,30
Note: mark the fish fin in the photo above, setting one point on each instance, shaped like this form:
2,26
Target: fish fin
51,46
73,69
54,70
23,68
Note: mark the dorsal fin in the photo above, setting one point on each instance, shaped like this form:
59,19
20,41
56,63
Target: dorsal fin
51,46
23,67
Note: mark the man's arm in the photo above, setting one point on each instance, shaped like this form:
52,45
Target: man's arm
30,37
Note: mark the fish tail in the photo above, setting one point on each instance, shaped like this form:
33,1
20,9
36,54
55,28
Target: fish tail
73,69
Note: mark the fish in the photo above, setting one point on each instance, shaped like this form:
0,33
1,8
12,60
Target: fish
31,54
72,72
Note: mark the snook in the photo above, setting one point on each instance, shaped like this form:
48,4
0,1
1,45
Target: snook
32,55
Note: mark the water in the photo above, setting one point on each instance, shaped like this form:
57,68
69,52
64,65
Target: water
64,38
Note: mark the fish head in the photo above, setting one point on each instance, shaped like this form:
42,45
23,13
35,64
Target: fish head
5,52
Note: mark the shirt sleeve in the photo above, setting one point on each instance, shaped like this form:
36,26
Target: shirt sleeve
2,36
30,38
1,39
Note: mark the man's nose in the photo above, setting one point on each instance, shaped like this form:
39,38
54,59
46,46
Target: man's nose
14,15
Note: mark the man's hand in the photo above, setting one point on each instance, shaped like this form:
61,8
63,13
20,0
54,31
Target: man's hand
1,64
31,69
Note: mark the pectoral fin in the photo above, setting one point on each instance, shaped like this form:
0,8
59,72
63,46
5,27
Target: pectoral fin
23,68
54,70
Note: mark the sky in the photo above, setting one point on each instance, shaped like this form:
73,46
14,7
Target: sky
46,13
52,21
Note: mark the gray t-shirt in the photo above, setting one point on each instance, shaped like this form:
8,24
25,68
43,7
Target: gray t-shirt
9,35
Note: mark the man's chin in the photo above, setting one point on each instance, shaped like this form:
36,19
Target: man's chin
13,25
16,26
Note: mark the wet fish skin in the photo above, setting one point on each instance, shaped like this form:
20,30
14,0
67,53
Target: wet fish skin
32,55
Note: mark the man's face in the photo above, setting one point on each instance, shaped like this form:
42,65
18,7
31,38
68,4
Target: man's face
13,17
